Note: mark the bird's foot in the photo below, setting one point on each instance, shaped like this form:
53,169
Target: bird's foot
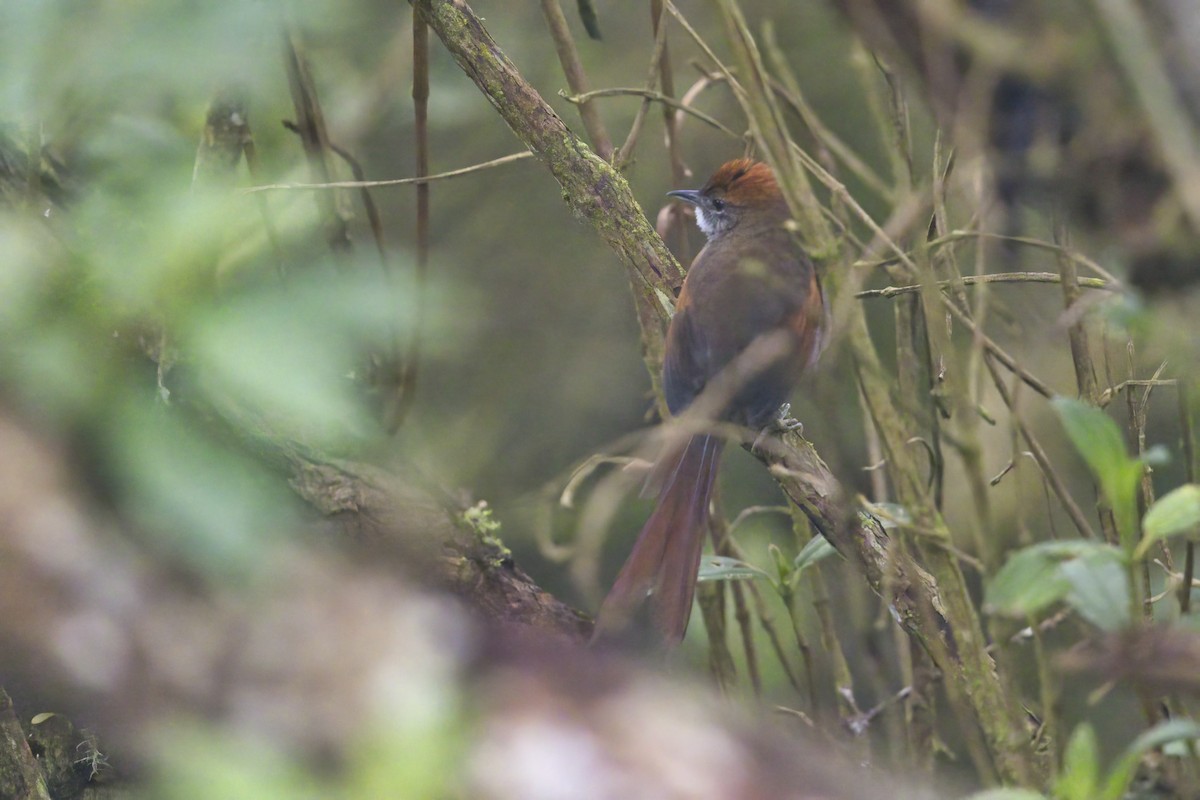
782,423
785,423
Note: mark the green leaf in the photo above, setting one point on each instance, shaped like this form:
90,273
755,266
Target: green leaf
1099,441
817,549
1032,578
723,568
1080,778
1095,436
1007,794
1099,588
1176,512
1164,733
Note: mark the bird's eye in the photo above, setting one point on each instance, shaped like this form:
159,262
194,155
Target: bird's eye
718,204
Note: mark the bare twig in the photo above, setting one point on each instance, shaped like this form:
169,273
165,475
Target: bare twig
572,69
623,156
1188,431
658,97
997,351
1025,241
671,125
399,400
454,173
1081,355
1053,480
995,277
310,125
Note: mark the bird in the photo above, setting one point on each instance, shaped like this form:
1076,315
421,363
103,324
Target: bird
752,283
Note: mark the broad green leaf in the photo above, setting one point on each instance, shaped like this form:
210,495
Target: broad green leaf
1095,436
209,504
1080,778
1176,512
1164,733
1099,441
1099,588
723,568
817,549
1032,579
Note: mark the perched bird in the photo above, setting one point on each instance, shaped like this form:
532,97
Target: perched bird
751,284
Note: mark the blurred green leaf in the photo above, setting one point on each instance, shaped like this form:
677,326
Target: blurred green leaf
721,568
1080,777
1099,587
1032,578
1176,512
1099,441
817,549
1175,730
203,501
1007,794
298,356
196,764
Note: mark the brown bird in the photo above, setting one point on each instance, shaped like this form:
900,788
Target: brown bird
751,284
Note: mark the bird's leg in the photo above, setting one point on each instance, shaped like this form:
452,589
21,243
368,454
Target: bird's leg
782,423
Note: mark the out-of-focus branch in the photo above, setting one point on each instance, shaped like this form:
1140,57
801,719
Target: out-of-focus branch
400,397
310,125
321,654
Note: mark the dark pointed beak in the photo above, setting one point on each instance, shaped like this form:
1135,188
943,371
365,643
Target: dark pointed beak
686,195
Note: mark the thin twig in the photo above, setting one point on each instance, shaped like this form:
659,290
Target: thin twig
1188,431
658,97
310,126
671,125
822,133
1108,394
660,44
1025,241
998,352
454,173
572,69
255,169
995,277
374,220
1077,336
400,400
1039,455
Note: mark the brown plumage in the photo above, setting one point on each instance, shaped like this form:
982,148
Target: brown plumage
751,280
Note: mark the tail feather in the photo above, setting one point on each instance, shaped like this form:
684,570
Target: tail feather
658,580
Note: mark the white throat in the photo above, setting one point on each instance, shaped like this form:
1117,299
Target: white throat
704,223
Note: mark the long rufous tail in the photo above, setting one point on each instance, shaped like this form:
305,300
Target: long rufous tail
658,580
